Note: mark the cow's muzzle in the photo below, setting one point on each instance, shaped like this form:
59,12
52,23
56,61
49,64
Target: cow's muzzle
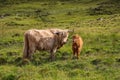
64,42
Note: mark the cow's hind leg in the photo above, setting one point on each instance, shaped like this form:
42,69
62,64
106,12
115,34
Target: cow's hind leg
31,51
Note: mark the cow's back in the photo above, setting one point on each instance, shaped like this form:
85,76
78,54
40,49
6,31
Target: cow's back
40,33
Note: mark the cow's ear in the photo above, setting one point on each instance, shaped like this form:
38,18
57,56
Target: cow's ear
57,33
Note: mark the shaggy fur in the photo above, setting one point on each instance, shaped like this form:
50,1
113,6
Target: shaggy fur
77,45
49,40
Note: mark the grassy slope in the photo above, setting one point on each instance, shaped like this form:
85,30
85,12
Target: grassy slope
99,60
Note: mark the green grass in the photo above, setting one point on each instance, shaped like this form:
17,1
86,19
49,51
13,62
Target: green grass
100,56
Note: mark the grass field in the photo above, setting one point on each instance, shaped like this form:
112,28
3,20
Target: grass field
96,21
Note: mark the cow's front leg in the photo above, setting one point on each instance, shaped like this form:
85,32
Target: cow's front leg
52,55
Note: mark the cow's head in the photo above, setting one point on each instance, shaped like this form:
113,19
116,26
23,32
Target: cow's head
62,36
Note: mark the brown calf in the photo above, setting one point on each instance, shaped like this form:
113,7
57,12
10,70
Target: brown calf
77,44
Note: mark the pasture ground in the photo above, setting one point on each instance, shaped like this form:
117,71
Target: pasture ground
96,21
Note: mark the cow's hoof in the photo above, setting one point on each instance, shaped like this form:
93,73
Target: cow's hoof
51,59
77,57
73,57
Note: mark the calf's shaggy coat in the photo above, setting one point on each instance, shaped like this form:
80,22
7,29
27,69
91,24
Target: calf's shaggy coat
77,44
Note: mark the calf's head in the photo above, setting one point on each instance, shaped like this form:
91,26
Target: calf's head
75,38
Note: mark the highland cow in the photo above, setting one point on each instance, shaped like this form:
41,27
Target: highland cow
47,40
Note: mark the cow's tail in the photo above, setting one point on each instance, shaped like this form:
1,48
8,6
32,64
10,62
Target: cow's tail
26,46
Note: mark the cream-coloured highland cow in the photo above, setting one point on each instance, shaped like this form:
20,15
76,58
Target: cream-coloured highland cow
48,40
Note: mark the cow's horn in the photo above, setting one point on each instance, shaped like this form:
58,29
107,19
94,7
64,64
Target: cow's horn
71,31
